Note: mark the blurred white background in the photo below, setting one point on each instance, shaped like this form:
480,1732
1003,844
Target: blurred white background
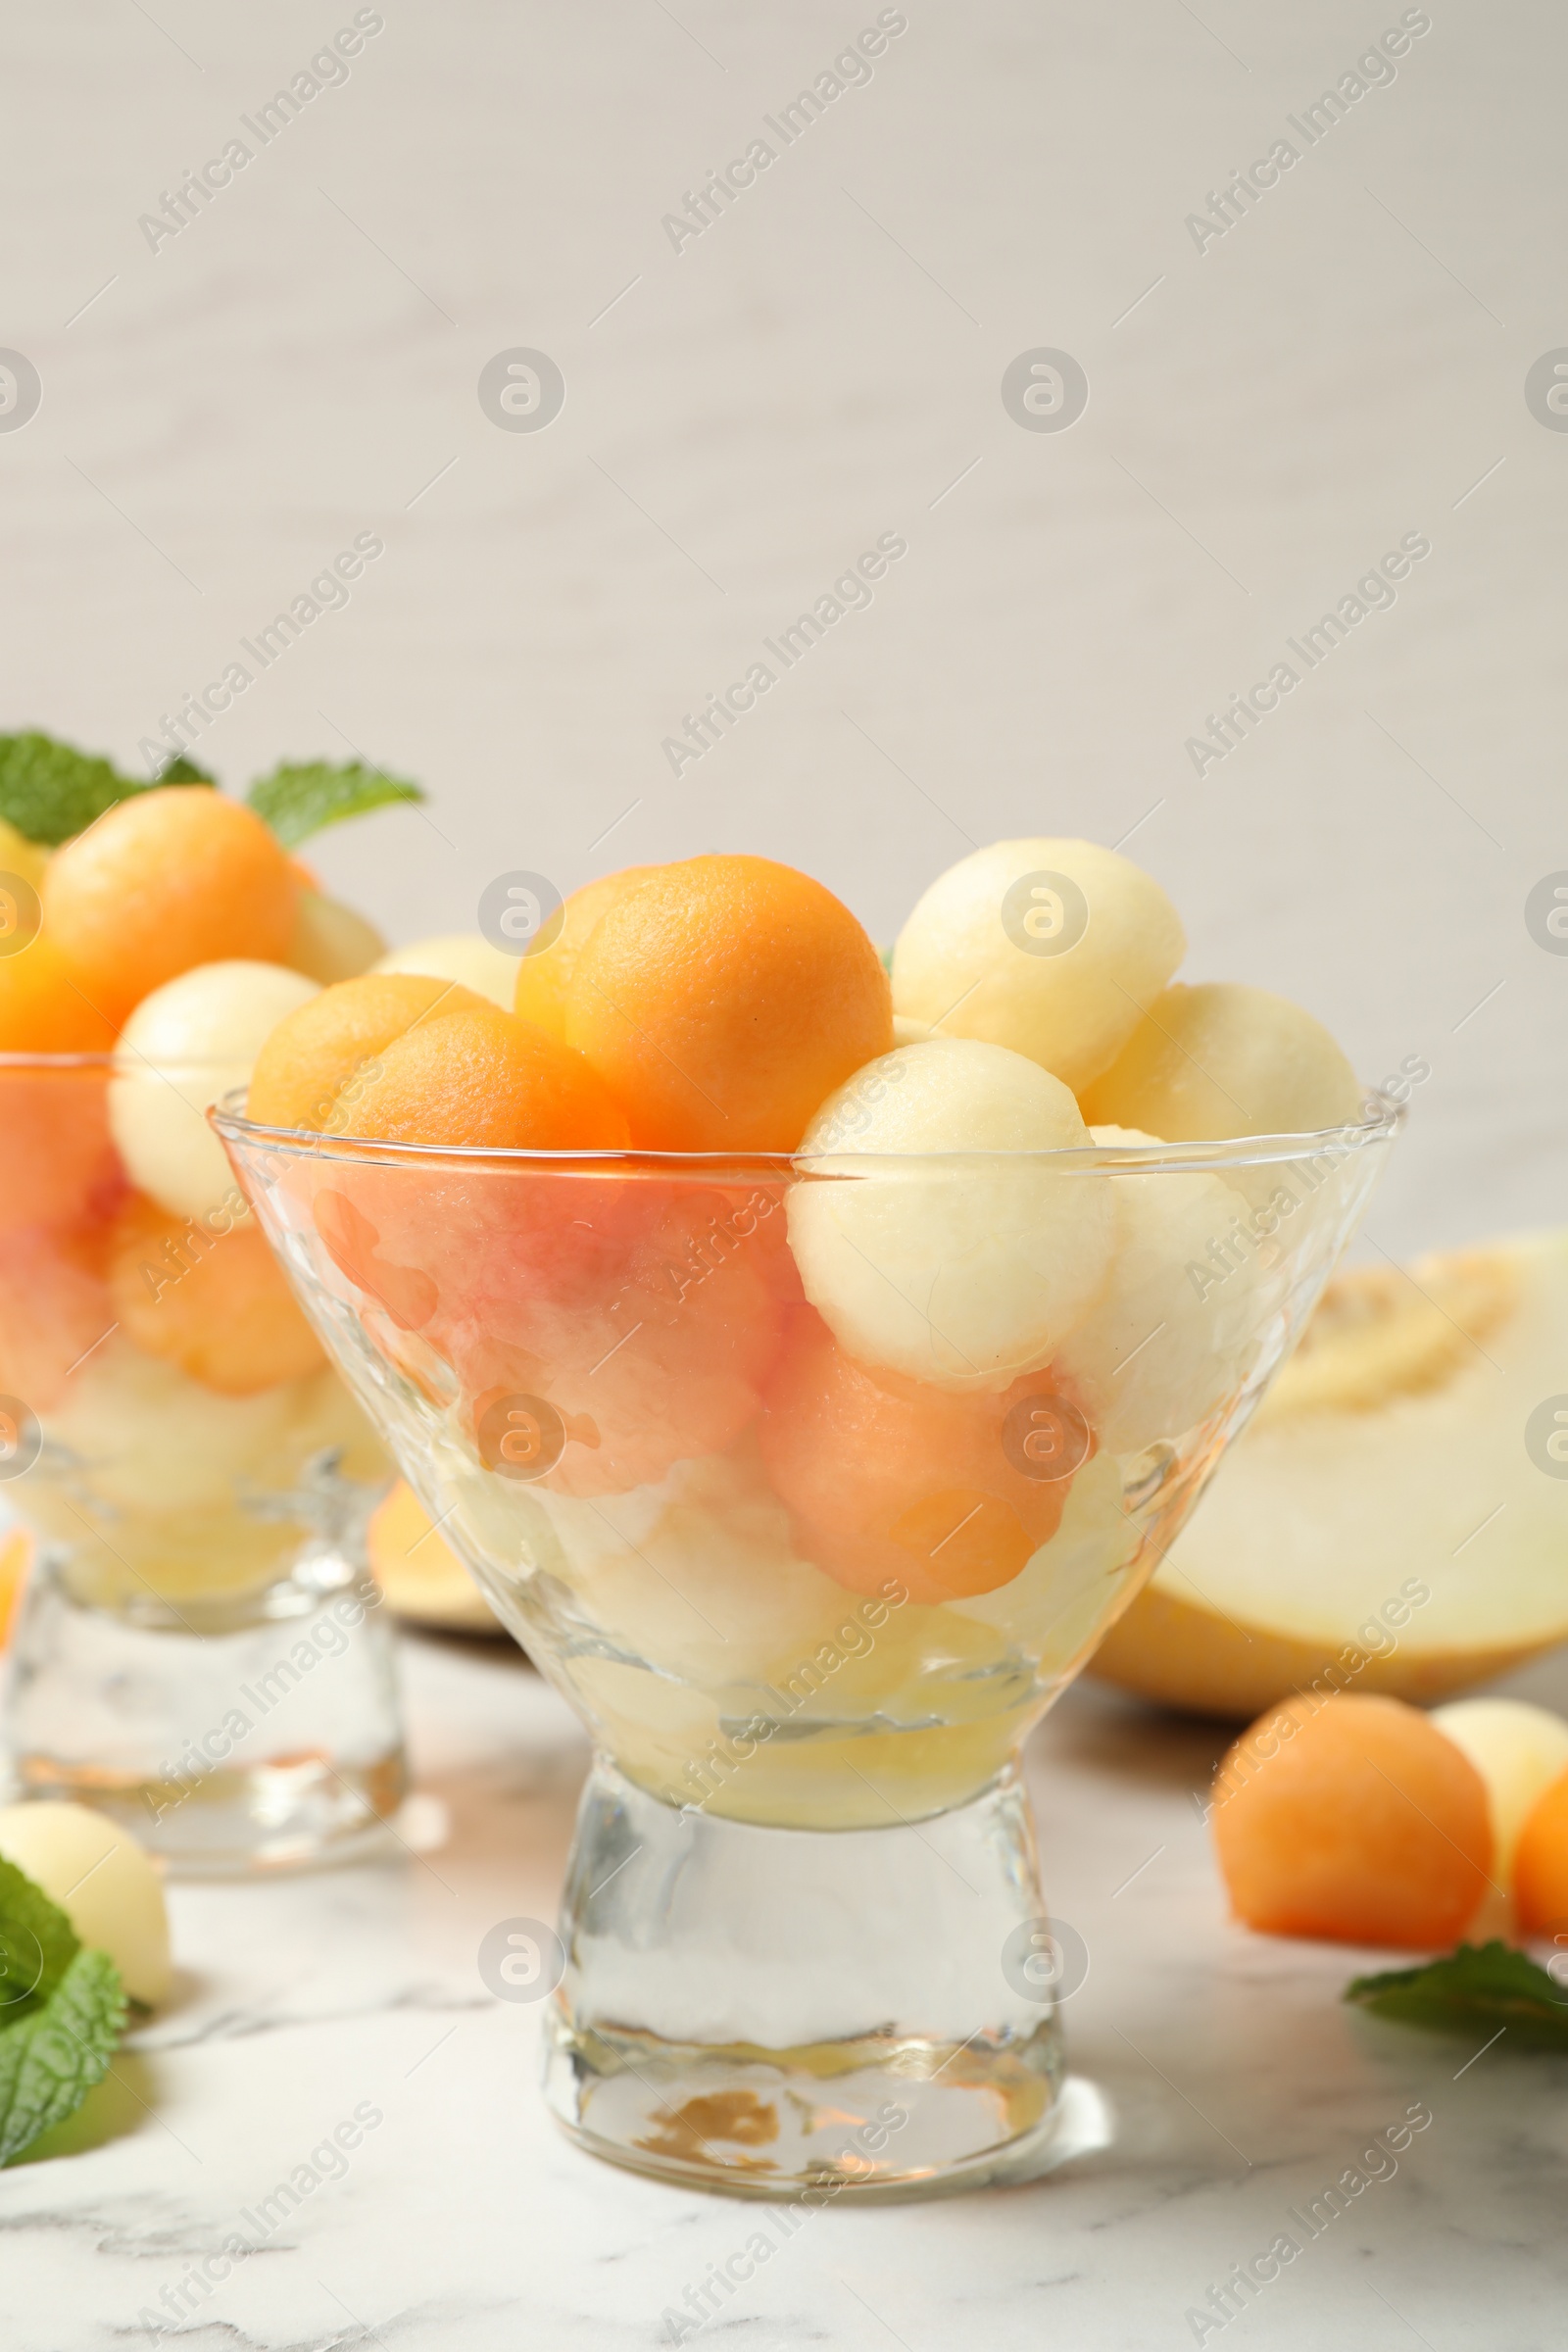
823,364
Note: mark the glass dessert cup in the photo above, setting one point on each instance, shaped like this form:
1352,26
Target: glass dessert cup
198,1650
807,1610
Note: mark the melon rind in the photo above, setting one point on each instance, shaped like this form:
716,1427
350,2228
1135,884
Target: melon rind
1318,1520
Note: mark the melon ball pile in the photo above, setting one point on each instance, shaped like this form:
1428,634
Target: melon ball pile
171,937
1365,1821
928,1310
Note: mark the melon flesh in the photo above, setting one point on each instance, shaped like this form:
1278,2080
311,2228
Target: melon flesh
1381,1516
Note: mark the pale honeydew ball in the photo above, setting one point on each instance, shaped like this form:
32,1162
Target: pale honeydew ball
463,957
184,1046
729,1602
1169,1334
1065,1596
1053,948
1221,1060
963,1271
155,1440
1519,1750
103,1881
331,942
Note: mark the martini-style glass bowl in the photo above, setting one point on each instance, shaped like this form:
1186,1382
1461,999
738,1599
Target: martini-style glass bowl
199,1648
807,1606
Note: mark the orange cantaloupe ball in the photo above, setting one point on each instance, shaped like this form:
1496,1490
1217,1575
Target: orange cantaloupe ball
480,1076
331,1047
1541,1864
545,972
647,1310
46,1005
724,999
58,1163
1353,1819
55,1308
215,1303
174,877
890,1477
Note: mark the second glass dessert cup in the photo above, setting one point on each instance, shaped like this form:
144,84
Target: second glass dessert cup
808,1604
199,1648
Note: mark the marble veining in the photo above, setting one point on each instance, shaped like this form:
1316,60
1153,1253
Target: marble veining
1218,2085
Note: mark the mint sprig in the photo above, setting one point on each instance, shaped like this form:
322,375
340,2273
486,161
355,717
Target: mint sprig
50,790
62,2014
37,1945
299,799
1479,1986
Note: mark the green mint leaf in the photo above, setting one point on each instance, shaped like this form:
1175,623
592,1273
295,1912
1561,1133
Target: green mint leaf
185,771
50,2058
62,2012
49,790
298,800
37,1945
1474,1990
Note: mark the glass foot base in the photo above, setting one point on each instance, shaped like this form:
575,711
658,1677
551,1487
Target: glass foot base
773,2012
229,1736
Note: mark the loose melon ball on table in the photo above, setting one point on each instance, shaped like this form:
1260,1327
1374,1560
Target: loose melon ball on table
210,1297
1169,1336
1519,1750
331,940
886,1477
924,1254
187,1044
1540,1866
1053,948
1223,1059
103,1881
318,1060
1353,1819
174,877
463,957
722,999
542,977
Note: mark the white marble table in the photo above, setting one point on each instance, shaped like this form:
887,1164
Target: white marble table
1227,2083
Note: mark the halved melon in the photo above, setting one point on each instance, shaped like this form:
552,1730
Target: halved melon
1382,1525
422,1577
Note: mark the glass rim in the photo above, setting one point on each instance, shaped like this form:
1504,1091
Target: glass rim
1383,1122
